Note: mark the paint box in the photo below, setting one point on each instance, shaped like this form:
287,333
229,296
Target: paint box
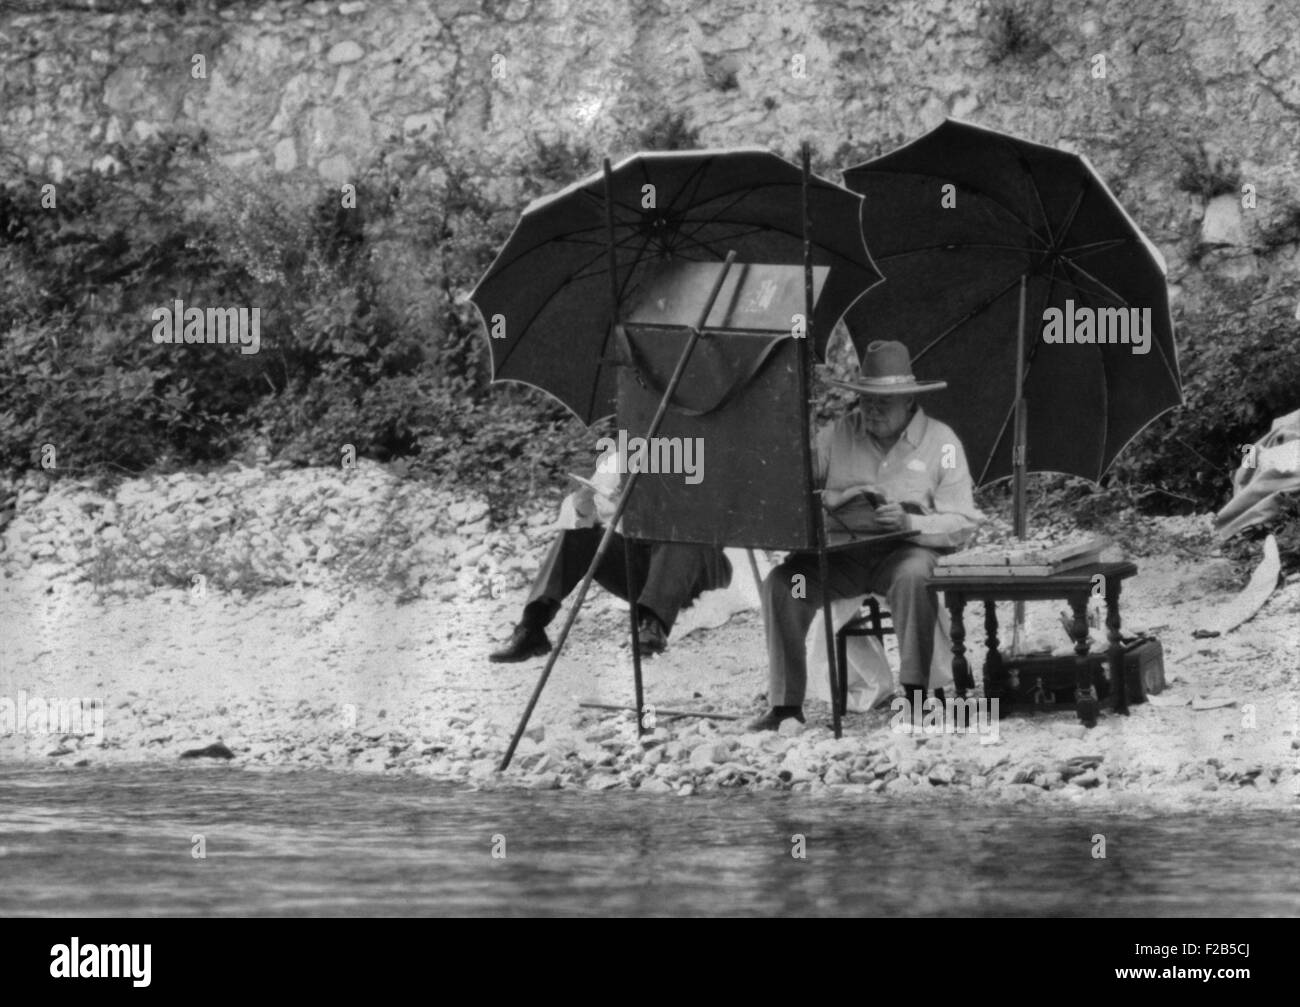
1047,681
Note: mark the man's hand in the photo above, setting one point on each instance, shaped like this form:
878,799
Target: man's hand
892,517
851,510
856,516
584,502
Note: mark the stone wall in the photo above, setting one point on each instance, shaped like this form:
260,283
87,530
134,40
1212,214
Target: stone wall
1198,94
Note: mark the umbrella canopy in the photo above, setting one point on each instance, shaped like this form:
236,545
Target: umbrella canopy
955,220
546,299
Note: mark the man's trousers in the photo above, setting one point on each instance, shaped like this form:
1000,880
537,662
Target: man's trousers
899,572
669,575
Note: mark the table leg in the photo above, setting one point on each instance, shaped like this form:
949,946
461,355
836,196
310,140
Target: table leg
995,676
1119,681
1085,694
961,676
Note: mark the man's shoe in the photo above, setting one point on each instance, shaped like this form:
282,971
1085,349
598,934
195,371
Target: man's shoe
771,721
525,642
651,636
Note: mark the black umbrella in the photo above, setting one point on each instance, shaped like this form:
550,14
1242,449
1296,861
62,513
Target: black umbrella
546,300
992,248
554,295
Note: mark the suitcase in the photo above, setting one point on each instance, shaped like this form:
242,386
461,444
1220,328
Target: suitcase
1040,681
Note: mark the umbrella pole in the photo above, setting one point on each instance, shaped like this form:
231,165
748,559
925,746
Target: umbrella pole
814,502
1019,448
619,507
753,567
633,592
632,587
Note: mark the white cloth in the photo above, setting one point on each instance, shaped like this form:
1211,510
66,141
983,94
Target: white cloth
585,507
871,679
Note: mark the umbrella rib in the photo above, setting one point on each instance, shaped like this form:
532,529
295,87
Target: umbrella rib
1093,246
1163,355
693,183
1104,288
743,231
1074,210
555,292
1038,198
954,245
984,194
609,329
965,318
598,200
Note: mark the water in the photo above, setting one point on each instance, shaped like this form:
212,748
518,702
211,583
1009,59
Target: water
118,841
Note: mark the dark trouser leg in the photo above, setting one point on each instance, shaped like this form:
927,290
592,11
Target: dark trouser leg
677,574
566,564
899,574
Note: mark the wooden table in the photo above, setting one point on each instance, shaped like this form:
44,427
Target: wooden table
1076,587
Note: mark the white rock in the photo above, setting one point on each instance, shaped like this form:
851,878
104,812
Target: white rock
1222,224
708,754
345,52
286,155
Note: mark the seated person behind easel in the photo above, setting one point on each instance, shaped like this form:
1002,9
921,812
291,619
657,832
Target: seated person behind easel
671,575
885,467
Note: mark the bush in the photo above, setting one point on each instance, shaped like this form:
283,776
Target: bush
1240,371
367,336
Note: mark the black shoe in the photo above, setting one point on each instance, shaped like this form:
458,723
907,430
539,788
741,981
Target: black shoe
771,721
525,642
651,636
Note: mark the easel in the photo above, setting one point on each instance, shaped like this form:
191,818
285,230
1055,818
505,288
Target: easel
805,363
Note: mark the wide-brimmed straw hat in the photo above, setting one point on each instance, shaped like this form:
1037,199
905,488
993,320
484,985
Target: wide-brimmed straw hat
887,370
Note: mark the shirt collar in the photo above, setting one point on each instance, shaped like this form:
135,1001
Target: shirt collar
915,429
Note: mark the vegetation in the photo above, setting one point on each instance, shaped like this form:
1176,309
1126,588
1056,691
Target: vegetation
376,345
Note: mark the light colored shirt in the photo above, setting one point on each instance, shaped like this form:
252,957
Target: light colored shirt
607,480
926,467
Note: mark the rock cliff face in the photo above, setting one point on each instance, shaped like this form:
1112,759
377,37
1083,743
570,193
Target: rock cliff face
1194,98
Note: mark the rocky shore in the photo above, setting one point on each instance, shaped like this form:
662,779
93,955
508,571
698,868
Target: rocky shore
277,619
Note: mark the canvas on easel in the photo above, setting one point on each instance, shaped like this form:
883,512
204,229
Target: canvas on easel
728,466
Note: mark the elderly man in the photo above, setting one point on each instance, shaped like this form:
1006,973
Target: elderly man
670,575
884,467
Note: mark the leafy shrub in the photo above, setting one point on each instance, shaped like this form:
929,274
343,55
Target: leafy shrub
1240,371
367,334
1207,177
1015,33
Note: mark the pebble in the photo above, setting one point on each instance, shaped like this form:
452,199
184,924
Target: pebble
708,755
303,518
